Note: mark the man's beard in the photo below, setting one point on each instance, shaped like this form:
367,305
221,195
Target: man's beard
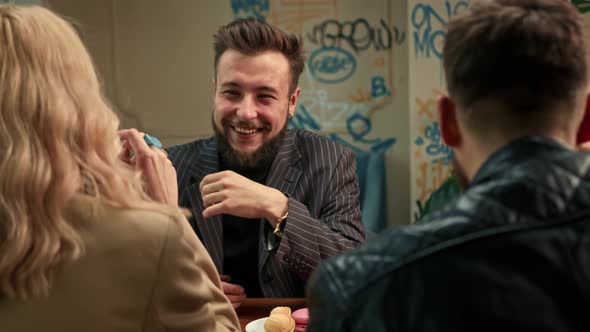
261,158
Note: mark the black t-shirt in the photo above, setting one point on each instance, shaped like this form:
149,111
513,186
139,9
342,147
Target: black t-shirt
240,243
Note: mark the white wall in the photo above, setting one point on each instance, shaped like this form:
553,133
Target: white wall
22,2
155,58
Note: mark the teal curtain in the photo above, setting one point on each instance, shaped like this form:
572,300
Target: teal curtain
370,169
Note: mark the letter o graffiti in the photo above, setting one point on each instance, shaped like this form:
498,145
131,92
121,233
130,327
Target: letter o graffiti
331,65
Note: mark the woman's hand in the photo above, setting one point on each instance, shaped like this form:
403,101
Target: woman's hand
153,162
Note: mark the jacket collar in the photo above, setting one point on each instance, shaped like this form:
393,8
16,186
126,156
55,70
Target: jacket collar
518,151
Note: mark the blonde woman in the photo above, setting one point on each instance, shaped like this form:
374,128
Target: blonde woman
88,242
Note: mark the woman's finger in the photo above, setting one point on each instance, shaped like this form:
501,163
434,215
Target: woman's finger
135,141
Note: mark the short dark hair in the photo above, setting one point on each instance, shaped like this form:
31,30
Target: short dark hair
250,36
527,55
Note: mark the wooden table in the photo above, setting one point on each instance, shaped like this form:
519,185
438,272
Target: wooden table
253,309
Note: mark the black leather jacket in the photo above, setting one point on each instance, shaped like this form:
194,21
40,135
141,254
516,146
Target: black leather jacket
510,254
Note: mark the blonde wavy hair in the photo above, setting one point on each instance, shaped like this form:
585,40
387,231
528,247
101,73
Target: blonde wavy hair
58,138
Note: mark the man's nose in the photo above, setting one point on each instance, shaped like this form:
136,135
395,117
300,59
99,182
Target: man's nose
247,109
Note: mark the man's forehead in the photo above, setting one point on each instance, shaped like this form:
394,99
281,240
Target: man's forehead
268,70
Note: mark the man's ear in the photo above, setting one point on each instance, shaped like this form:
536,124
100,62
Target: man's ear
448,121
293,101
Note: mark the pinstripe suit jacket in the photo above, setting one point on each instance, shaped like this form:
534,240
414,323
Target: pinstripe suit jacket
317,174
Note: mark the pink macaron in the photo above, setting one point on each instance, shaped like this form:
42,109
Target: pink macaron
301,318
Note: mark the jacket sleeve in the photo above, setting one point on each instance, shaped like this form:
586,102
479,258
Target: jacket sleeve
307,240
322,301
187,293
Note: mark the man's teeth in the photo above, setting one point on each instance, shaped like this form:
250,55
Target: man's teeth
246,130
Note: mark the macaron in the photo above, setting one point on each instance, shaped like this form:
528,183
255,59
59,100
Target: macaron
280,320
301,318
279,323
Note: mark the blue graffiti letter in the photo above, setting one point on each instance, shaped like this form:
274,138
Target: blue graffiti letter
378,87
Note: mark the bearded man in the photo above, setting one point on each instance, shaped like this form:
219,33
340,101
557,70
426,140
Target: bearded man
268,203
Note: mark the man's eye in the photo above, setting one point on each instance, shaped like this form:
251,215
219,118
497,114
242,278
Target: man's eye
266,97
231,93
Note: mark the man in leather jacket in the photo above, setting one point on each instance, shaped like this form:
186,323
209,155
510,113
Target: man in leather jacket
512,253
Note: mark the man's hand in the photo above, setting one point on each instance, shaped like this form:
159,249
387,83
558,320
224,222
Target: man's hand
234,293
230,193
156,168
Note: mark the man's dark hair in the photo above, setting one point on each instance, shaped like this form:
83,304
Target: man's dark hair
250,36
528,56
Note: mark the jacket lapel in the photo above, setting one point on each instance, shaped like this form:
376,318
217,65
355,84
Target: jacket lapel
283,175
210,229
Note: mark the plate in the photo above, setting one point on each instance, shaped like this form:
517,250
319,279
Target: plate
256,325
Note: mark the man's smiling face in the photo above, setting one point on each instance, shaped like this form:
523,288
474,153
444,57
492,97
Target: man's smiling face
252,99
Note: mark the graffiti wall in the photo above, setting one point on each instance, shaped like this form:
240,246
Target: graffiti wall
350,85
430,158
349,69
353,77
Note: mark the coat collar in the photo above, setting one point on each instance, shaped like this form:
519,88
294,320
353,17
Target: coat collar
518,151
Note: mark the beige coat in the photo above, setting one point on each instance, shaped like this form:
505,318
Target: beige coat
142,271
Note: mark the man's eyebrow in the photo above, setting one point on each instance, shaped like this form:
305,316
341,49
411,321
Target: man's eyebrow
233,84
230,84
267,88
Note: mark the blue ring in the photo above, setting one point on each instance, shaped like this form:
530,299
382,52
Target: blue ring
152,141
